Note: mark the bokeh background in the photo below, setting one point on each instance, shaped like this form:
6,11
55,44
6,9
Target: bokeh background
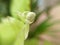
46,28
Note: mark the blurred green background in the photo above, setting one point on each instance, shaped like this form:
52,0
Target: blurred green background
46,28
